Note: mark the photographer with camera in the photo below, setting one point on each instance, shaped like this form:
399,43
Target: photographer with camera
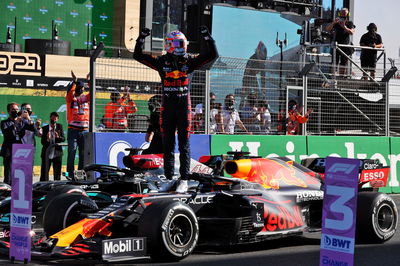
342,28
11,133
174,68
29,128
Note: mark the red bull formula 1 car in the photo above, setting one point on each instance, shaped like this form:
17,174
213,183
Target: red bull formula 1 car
265,198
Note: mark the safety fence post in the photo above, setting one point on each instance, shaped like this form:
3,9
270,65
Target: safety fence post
92,86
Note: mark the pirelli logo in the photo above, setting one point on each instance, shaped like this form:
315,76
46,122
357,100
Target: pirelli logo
20,64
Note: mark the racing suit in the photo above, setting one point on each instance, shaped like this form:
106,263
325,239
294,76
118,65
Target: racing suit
176,108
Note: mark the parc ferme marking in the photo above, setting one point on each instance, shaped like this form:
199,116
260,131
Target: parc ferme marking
339,212
21,202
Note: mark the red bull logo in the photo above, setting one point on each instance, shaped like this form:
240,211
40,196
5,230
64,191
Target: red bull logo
269,173
282,219
176,74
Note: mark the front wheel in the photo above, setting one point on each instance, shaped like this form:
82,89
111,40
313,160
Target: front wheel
377,217
65,210
171,229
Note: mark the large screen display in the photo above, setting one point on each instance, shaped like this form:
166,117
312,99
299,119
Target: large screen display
238,31
243,34
34,20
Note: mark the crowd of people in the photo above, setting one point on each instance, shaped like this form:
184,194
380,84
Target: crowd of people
19,128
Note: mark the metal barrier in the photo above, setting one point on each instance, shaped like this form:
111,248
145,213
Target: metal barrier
262,89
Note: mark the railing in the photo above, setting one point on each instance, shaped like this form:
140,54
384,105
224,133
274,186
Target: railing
340,106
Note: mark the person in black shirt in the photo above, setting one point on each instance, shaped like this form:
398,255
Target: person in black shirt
153,134
52,133
368,57
342,29
12,134
174,68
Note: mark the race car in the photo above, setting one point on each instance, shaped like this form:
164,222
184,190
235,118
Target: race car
143,174
265,198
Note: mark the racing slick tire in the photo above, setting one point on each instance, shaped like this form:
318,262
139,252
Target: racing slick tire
171,229
377,217
61,189
65,210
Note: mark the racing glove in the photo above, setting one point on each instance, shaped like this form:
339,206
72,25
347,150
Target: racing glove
205,33
143,34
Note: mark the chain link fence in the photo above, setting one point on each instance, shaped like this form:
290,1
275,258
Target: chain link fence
263,93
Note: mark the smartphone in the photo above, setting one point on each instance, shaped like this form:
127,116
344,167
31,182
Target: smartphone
23,109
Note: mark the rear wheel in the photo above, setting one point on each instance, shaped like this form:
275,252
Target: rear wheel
171,229
65,210
377,217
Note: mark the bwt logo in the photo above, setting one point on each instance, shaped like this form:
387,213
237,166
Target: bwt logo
341,167
22,153
336,243
21,220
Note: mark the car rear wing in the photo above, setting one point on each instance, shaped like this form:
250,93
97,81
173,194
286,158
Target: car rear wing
370,171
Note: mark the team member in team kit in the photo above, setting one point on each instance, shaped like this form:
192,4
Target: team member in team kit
78,121
174,68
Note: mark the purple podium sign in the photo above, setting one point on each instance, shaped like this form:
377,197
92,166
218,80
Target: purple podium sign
339,211
21,202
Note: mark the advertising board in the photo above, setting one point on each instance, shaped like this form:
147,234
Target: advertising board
21,202
110,147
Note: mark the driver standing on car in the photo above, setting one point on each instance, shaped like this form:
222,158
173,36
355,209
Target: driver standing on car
174,68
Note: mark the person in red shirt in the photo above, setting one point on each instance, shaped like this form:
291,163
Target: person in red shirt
295,118
116,112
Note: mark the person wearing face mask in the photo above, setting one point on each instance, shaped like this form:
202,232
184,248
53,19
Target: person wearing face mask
30,128
230,116
11,133
368,57
342,28
174,69
78,122
116,112
51,134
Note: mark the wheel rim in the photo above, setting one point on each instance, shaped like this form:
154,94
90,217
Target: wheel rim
385,217
180,231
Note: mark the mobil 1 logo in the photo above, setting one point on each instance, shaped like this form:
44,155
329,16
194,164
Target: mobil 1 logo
124,248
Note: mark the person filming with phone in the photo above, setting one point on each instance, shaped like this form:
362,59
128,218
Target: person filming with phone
342,28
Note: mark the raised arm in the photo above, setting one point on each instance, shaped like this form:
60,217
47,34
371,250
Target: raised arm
205,57
138,54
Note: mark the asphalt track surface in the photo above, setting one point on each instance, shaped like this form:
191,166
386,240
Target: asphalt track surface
297,251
